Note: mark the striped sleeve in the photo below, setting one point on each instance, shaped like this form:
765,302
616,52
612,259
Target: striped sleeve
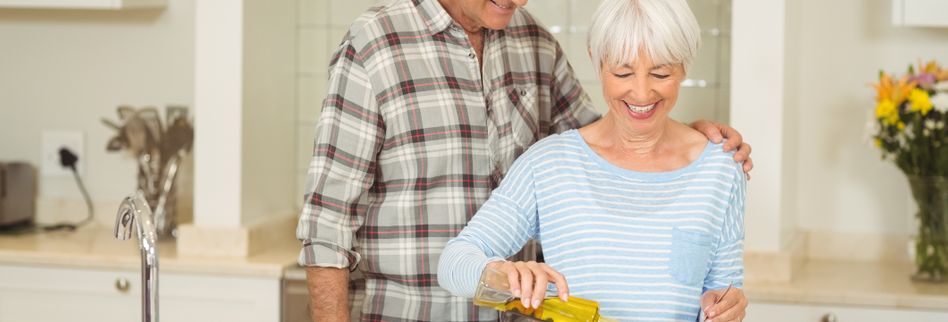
727,265
348,139
498,230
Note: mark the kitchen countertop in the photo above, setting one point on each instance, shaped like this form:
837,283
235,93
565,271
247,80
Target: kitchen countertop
95,247
881,284
820,282
878,284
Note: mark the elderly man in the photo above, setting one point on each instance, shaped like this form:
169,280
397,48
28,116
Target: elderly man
429,103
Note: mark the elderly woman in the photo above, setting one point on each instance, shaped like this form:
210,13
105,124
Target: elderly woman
637,211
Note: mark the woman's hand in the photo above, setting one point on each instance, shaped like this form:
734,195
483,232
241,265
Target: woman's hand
528,281
730,308
716,132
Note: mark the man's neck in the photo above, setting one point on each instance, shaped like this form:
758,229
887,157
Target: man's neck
454,9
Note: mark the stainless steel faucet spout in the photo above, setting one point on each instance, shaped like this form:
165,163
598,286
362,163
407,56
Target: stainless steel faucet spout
135,214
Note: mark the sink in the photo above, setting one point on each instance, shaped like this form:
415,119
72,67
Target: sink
134,214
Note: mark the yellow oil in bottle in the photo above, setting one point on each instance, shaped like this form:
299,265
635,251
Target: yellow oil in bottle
553,309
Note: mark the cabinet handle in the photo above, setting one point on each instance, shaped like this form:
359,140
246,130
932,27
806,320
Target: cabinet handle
122,284
829,317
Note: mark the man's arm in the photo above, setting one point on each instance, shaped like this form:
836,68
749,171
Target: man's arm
348,140
328,293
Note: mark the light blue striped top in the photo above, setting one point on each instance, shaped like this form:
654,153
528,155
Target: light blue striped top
645,245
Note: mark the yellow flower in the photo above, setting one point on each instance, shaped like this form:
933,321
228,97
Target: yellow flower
931,67
920,101
878,143
901,125
887,112
892,90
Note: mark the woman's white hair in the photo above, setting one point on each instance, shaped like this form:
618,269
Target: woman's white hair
666,30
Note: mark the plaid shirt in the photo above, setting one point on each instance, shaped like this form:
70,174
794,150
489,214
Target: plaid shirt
413,137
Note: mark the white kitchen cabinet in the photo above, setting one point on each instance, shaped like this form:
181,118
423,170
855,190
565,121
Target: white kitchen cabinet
83,4
920,13
40,294
774,312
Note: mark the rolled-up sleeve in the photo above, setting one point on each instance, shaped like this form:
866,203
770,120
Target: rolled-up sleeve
347,141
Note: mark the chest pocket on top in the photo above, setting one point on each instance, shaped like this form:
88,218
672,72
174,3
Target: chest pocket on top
690,256
521,115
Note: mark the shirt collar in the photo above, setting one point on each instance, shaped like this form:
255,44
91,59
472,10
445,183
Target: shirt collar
434,15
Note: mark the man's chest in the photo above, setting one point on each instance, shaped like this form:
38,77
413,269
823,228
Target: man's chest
436,100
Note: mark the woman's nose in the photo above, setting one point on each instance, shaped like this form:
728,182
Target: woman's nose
641,91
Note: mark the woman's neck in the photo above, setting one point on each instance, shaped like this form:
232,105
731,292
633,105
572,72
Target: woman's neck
627,141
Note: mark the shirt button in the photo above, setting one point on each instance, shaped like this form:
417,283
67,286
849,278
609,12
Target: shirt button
471,55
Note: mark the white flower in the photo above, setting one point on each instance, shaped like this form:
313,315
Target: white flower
940,101
941,86
929,124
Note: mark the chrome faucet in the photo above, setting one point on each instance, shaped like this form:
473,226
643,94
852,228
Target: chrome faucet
134,210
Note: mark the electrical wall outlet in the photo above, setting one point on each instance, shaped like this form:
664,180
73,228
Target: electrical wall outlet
52,141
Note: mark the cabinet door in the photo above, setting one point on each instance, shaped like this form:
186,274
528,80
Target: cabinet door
773,312
203,297
41,294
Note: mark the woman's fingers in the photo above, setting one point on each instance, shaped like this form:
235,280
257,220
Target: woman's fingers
731,308
562,290
526,284
734,313
540,280
529,281
513,279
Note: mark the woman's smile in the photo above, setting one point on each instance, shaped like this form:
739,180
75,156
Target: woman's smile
642,112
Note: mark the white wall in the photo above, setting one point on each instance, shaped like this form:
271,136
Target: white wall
843,186
66,69
324,22
269,110
757,108
246,94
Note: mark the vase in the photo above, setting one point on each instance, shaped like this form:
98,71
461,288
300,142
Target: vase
931,245
163,203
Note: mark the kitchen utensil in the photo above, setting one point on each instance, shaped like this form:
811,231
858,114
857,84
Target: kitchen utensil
124,112
174,112
142,144
728,289
152,121
177,141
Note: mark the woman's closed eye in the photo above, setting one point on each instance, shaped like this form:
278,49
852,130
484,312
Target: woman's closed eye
627,75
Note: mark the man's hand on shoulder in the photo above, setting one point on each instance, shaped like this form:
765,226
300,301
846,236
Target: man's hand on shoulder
717,132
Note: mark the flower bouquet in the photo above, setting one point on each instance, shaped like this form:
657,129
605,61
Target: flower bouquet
910,116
